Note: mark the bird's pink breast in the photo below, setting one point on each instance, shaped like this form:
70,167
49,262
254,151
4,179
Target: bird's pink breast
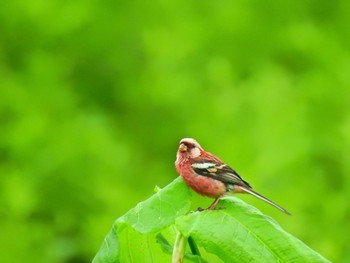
203,185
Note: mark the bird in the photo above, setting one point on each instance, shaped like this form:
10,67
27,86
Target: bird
209,176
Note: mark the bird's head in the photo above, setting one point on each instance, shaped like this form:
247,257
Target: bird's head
189,148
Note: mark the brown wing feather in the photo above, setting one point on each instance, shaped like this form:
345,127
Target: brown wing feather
213,167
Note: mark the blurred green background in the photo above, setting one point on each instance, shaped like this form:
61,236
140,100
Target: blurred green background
95,95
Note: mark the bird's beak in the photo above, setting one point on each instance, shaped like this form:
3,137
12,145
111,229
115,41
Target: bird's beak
182,147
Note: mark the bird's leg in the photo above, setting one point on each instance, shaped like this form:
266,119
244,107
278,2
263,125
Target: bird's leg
213,205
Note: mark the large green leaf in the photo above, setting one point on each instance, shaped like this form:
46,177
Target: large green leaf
133,236
240,233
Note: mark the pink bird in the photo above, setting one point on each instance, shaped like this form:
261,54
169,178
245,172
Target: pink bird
209,176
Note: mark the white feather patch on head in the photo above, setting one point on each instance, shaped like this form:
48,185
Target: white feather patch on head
190,140
195,152
203,165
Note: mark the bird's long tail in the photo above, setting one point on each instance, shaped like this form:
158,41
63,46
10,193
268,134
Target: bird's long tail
250,191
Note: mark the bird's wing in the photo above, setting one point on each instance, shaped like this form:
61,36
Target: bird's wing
218,171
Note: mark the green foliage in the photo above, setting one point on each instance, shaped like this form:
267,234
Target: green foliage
95,95
238,233
133,236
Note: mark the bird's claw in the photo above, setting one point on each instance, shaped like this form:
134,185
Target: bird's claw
199,209
216,208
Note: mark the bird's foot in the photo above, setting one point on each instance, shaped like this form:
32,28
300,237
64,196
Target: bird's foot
216,208
200,209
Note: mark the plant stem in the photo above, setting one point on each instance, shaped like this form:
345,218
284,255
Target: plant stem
179,248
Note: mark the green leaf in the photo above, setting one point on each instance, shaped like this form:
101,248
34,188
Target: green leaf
241,233
135,233
161,209
110,248
238,233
